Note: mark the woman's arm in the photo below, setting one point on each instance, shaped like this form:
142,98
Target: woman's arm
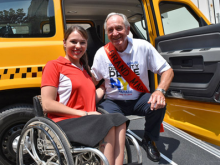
50,105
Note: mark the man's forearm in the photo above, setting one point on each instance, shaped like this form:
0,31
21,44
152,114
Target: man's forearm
166,79
100,93
94,80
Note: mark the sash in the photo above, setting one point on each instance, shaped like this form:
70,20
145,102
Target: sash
133,80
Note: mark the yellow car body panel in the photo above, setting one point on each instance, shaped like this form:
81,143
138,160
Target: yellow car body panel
200,119
23,59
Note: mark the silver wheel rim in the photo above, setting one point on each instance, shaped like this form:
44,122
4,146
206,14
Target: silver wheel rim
38,147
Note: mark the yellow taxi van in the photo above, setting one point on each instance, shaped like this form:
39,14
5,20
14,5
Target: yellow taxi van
31,34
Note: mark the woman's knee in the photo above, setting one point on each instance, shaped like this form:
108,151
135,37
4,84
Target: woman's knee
120,130
121,127
111,132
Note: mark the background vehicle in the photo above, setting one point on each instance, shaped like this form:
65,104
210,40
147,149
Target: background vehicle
31,33
210,8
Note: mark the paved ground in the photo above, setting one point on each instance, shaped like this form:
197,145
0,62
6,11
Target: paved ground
177,147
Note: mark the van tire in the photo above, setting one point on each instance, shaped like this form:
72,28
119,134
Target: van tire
12,120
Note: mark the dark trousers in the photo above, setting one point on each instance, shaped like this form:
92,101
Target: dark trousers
140,107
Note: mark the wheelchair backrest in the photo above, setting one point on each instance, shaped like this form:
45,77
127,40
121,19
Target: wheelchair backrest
38,110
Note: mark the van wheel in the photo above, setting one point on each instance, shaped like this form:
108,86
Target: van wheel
12,120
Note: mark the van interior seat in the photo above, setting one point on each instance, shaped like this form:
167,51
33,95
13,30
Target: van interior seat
94,43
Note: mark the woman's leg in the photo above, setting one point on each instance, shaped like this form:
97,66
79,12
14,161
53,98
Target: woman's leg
107,146
112,146
119,144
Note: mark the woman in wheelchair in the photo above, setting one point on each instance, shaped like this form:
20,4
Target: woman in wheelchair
69,98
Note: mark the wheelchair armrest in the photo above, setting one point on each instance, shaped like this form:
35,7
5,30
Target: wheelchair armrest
102,111
38,111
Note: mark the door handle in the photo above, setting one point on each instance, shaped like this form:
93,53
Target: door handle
187,63
217,97
176,93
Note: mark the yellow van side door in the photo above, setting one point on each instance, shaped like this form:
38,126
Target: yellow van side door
185,39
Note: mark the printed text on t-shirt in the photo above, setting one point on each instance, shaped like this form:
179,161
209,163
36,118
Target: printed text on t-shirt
119,82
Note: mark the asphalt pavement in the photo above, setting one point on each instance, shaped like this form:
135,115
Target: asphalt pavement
176,147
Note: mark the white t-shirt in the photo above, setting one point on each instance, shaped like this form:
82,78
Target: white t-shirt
140,56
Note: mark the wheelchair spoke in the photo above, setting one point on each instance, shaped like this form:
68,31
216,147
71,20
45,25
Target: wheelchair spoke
26,148
87,158
51,158
31,154
33,147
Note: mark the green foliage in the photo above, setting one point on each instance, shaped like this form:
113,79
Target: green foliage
12,16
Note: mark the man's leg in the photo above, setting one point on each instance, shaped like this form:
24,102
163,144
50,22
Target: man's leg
110,106
153,120
124,107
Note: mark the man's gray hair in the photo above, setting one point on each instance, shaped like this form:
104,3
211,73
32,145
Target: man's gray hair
125,20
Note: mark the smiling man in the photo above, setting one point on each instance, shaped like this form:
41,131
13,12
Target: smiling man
124,63
117,32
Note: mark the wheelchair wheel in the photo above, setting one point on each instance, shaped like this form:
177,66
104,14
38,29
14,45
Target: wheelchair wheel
127,152
43,142
89,156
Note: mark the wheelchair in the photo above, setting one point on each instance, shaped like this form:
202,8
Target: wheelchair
42,142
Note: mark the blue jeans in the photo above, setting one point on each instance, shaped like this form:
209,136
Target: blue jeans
140,107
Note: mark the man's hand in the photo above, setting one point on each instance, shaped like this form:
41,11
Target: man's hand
157,100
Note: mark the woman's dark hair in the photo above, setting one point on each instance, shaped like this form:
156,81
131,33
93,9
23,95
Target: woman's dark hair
82,31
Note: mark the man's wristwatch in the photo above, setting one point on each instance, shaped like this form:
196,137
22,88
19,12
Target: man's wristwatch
162,90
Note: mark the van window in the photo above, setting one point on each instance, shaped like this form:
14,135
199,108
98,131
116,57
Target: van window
137,24
177,17
139,27
27,18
